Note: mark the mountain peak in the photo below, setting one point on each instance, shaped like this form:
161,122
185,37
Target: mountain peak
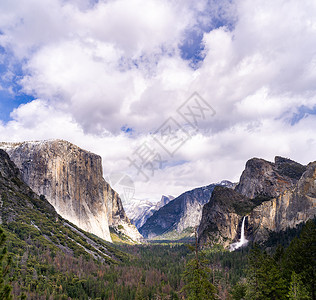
262,177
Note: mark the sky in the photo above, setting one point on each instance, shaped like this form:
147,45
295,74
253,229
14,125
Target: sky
171,94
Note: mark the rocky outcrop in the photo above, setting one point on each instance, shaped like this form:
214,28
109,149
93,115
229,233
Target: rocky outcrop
262,177
292,187
72,181
179,214
163,201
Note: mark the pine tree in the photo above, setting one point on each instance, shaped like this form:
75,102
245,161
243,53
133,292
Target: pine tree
197,278
239,291
5,289
297,290
254,278
264,278
301,257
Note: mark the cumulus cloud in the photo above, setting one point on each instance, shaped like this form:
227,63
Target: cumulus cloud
112,72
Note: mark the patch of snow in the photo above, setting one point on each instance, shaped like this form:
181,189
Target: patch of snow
138,211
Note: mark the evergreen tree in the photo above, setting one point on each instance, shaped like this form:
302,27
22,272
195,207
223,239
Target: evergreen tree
264,278
239,291
297,290
5,289
197,278
301,257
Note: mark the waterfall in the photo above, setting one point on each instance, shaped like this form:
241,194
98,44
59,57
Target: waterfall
243,241
242,236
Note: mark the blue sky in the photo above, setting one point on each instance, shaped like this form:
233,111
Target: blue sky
302,112
10,101
11,94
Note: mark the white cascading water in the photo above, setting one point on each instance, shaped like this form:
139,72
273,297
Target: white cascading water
243,241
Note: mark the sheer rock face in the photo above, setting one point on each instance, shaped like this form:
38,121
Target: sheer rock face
292,207
71,179
261,177
293,202
21,205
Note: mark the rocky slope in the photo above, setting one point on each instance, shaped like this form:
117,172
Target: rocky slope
180,214
272,196
71,179
30,222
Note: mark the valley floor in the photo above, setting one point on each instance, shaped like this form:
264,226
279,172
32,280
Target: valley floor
155,271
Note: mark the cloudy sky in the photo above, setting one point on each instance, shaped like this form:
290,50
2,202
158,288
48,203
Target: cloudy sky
115,77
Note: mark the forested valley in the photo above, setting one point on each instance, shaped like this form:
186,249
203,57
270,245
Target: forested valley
282,268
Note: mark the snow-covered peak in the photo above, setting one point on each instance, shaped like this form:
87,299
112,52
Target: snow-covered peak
139,211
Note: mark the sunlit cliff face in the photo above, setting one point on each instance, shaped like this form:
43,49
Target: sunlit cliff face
72,181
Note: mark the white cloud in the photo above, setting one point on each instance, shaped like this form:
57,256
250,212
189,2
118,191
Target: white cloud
135,26
97,67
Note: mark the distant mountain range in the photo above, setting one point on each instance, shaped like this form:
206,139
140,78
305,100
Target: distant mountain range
178,217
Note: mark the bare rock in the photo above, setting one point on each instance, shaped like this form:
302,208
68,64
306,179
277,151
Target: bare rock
72,181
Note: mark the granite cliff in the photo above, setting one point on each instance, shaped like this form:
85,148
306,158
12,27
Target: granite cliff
71,179
269,179
272,196
32,224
